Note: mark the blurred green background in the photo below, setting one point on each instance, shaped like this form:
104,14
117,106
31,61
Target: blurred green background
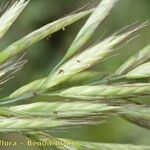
42,57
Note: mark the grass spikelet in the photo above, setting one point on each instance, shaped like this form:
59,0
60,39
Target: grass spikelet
142,71
139,58
105,91
39,34
89,57
88,29
59,109
10,15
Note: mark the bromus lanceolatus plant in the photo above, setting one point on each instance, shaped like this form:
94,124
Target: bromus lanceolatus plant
74,94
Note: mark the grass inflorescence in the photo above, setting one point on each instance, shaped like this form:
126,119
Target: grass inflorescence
73,94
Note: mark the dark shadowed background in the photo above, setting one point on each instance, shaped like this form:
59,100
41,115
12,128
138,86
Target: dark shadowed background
42,57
